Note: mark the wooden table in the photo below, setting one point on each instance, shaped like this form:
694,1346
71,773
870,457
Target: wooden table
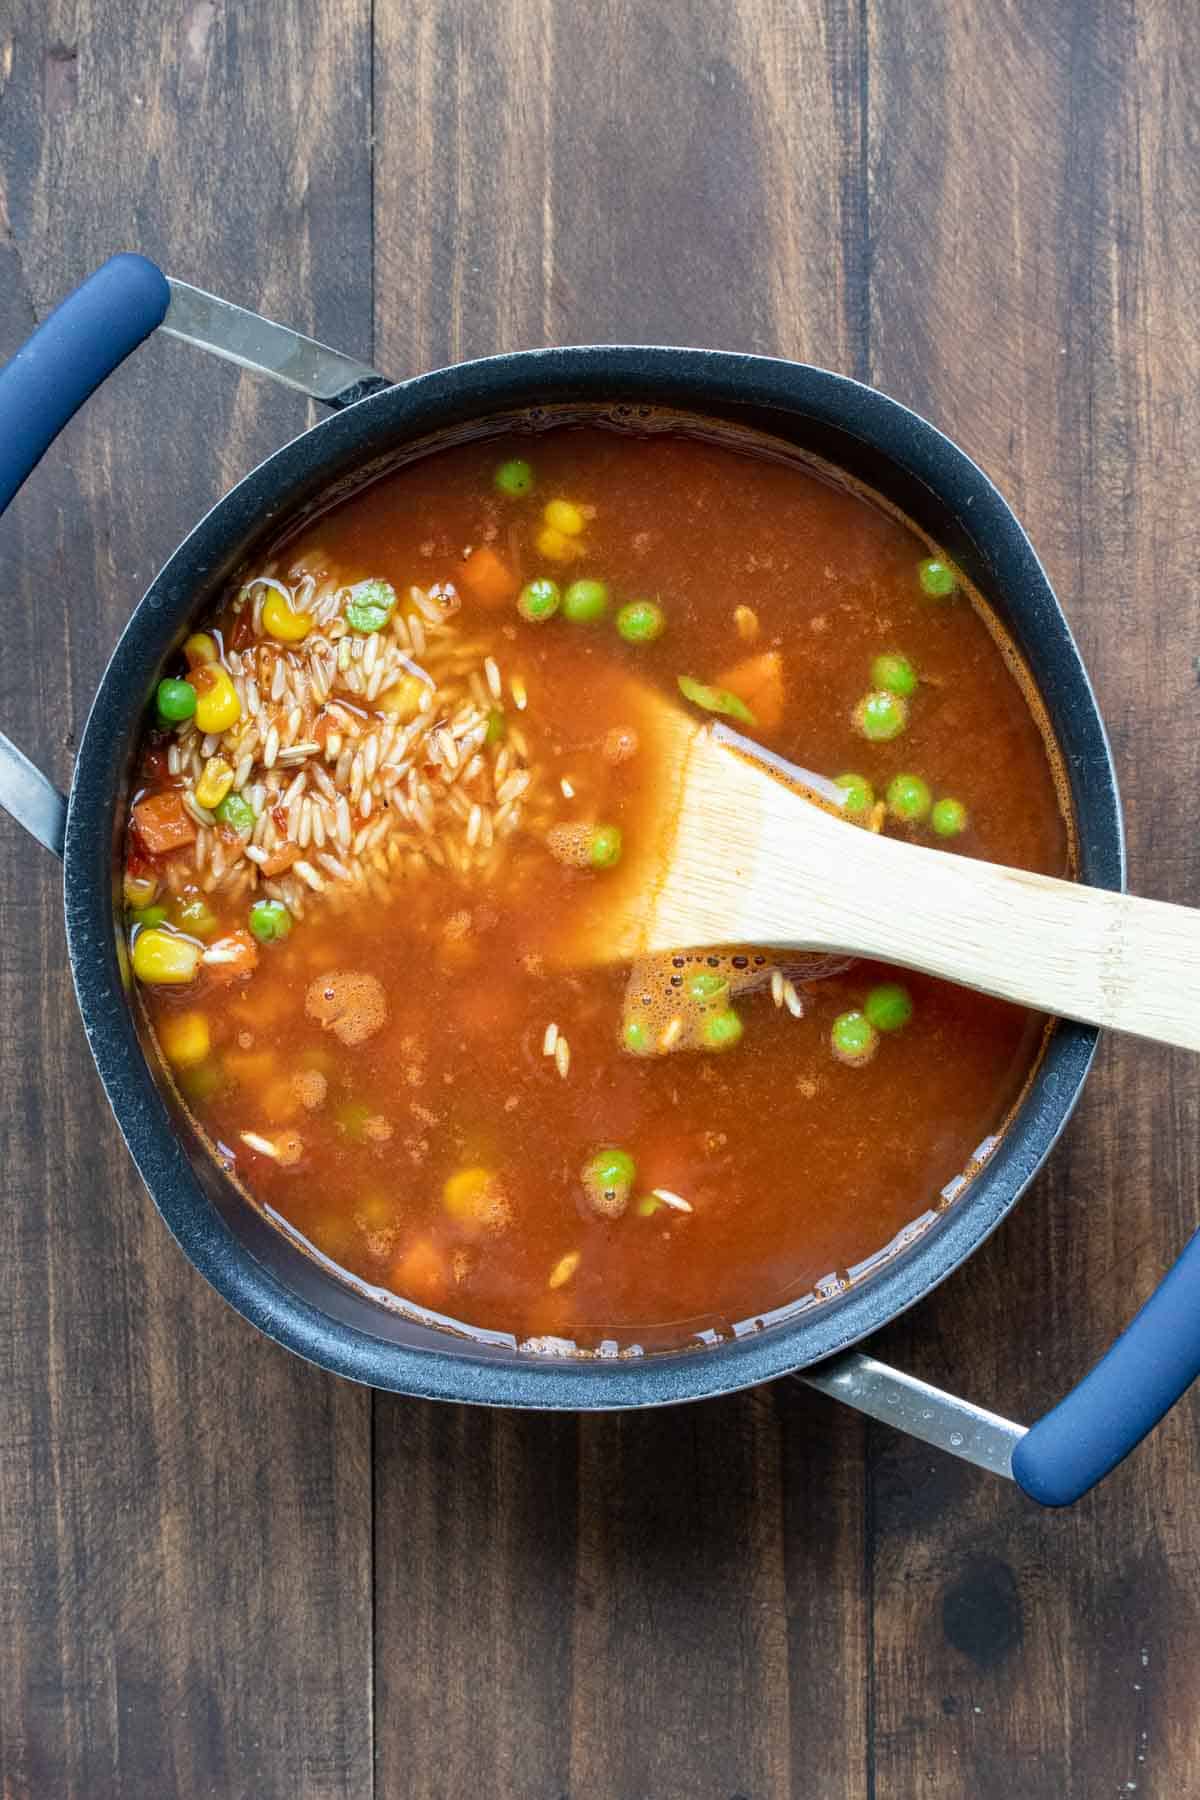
225,1573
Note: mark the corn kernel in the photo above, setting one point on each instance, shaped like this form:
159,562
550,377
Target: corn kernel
140,890
463,1191
564,1268
185,1039
200,648
217,703
556,546
403,701
162,957
214,783
564,516
282,622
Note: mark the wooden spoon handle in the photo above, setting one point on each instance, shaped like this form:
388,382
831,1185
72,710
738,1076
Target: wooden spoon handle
1084,953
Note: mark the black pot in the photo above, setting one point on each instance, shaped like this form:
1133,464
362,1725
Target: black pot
250,1261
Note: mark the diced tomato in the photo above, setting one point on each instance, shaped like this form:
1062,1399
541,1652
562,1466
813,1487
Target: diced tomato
231,957
758,680
162,824
241,634
487,578
280,859
279,816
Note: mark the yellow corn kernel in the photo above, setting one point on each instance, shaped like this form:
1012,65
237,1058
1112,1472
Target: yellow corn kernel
464,1190
282,622
556,546
185,1039
164,958
403,701
564,516
200,648
140,890
564,1268
746,620
214,783
217,703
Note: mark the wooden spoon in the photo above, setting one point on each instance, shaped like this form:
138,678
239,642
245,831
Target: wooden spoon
743,848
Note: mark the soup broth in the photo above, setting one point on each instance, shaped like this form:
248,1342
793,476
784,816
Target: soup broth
394,761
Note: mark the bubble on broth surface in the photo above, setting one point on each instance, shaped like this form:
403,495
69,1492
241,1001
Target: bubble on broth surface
659,997
348,1002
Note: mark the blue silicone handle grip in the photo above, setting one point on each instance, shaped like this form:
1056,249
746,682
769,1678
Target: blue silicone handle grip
83,340
1130,1389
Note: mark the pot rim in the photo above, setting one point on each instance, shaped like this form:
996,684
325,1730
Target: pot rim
707,383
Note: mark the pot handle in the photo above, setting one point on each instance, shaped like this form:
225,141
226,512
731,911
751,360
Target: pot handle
1133,1386
1079,1441
83,340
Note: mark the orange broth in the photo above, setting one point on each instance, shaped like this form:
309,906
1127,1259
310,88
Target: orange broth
444,1158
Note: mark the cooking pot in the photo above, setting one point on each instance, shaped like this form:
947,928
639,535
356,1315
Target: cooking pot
252,1262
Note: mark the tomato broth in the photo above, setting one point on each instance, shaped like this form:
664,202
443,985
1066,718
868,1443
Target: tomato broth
388,768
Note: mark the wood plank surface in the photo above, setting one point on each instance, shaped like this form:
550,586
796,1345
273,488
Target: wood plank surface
222,1572
184,1509
1033,230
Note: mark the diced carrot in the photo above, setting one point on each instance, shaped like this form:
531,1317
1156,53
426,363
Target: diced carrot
162,824
487,578
758,680
231,957
419,1272
281,858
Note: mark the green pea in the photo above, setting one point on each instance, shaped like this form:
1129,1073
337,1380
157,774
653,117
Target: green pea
146,916
200,1082
176,701
635,1036
604,847
641,622
860,795
937,578
881,716
496,726
705,985
853,1037
514,478
237,813
585,601
270,921
195,917
370,607
722,1030
948,818
609,1174
895,674
909,799
538,600
889,1006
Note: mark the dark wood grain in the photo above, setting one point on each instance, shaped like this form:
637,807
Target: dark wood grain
1033,243
184,1509
221,1572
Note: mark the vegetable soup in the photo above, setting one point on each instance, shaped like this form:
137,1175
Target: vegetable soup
392,764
